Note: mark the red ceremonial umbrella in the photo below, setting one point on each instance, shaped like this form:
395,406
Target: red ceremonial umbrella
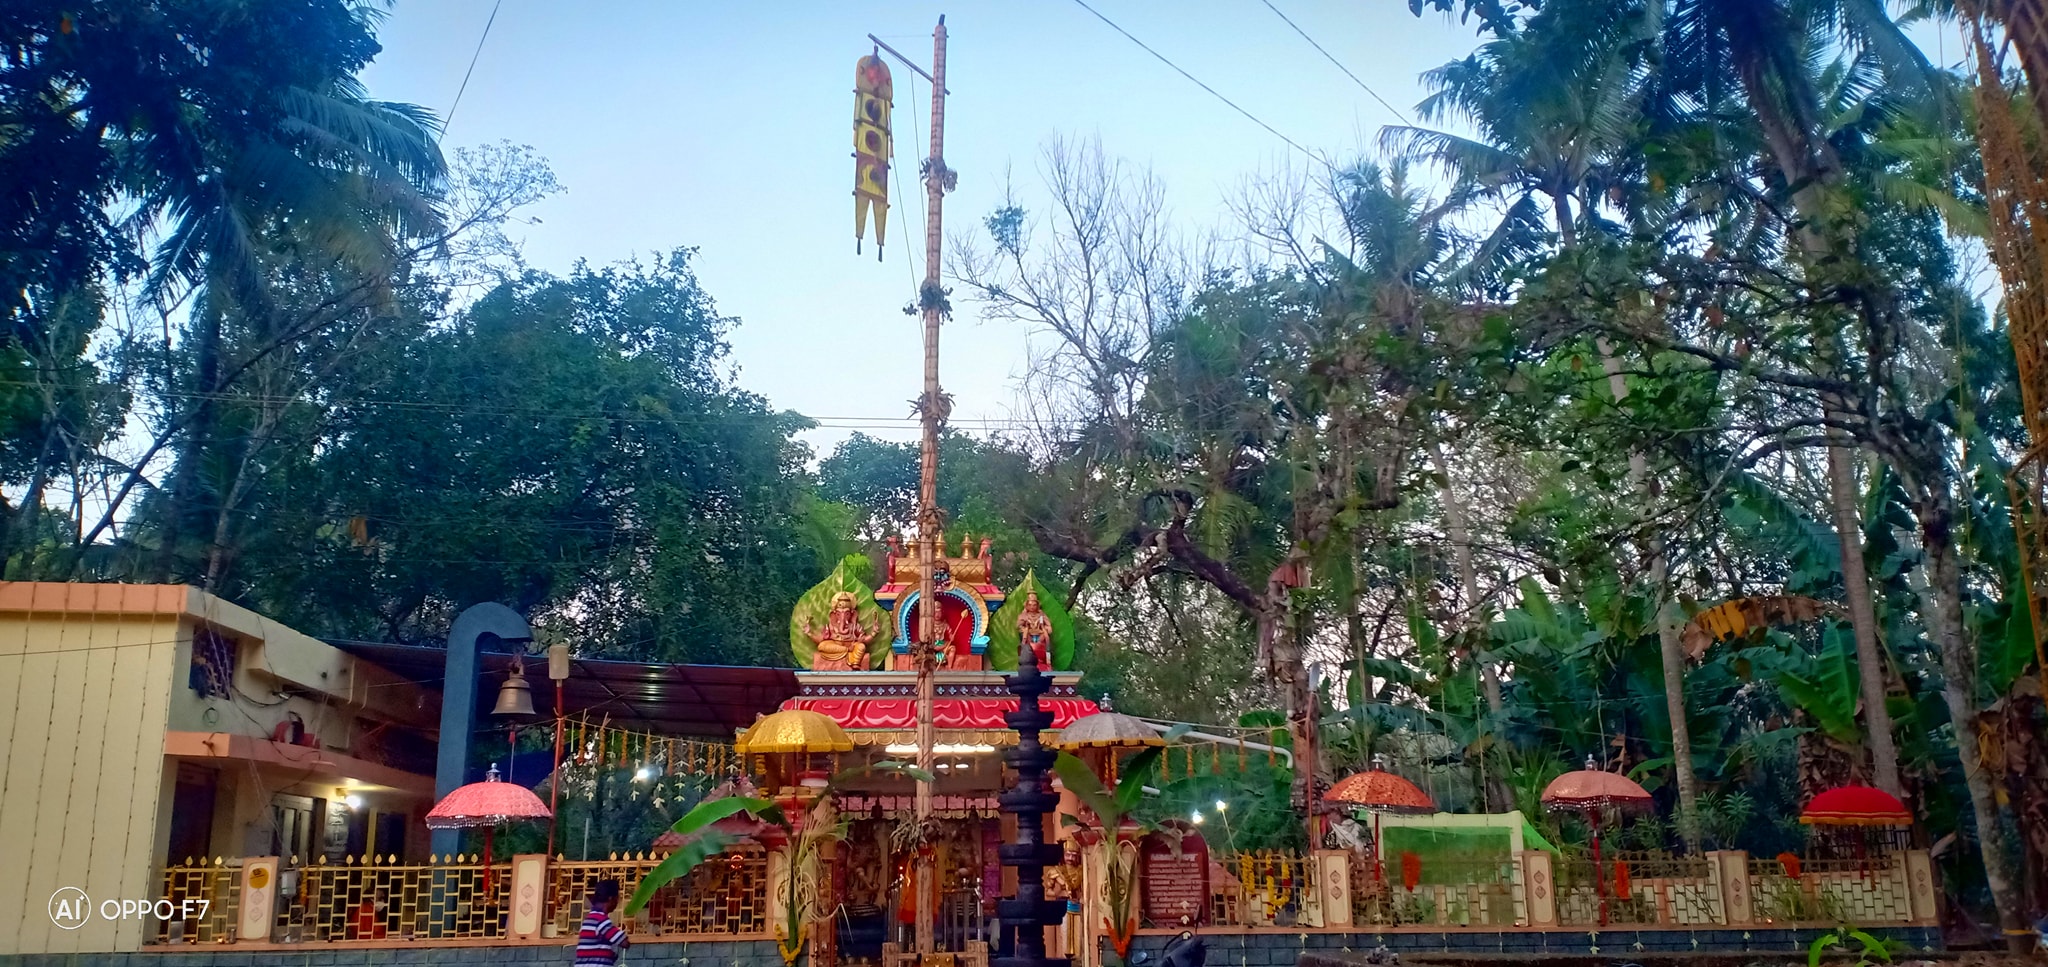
486,804
1380,791
1858,807
1591,790
1855,805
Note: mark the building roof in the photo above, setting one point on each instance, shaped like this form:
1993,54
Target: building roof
663,698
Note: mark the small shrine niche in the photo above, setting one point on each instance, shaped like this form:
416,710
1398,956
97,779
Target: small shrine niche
967,595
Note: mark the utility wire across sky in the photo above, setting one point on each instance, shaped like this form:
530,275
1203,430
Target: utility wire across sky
1296,145
1340,64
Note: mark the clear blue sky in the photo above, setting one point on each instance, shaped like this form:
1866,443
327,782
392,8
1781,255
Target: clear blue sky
727,127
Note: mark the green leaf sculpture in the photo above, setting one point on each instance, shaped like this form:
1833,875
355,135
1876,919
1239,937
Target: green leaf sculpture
1002,627
816,605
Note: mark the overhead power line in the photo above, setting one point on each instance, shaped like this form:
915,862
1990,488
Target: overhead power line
1340,64
469,408
479,52
1212,91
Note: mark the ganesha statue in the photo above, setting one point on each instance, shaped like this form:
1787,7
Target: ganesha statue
843,641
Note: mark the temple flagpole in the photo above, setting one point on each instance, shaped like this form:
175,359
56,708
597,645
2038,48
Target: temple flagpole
932,407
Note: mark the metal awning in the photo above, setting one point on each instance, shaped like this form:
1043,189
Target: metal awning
657,697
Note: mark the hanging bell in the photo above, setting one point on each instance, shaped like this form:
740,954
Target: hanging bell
515,697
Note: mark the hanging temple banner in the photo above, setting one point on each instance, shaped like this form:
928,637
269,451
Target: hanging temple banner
873,96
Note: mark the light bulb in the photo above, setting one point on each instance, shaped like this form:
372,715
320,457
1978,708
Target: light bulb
644,774
1198,817
354,802
1222,807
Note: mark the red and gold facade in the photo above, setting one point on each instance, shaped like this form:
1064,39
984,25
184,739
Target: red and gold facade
862,677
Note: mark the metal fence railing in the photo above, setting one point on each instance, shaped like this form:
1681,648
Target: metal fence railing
726,895
210,890
1641,888
1407,890
1263,888
458,898
1830,891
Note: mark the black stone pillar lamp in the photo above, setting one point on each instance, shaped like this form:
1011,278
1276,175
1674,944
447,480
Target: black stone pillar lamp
1025,916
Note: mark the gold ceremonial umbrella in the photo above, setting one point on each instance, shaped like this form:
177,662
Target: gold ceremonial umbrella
794,745
1101,739
793,730
1108,730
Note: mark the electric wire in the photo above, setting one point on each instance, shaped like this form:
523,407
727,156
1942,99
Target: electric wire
830,422
896,171
1319,159
450,118
1340,64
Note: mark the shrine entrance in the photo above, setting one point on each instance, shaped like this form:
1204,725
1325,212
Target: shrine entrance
854,642
880,907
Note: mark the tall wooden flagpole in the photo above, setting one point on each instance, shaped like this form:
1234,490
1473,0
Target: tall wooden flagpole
932,407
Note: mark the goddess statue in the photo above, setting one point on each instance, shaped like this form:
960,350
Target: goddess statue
1034,631
843,642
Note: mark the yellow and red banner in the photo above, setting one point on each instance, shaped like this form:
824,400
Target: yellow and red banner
873,97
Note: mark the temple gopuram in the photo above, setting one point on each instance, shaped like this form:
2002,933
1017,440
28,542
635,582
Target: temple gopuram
854,646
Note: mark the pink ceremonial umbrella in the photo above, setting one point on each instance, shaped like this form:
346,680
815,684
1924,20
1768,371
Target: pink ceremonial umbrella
1381,792
1591,790
486,804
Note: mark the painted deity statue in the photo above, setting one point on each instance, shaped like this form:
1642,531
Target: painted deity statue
1034,631
942,645
843,641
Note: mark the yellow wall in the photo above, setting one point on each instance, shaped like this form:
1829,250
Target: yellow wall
83,704
92,676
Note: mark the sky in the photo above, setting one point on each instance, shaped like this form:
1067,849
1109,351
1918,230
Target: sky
727,128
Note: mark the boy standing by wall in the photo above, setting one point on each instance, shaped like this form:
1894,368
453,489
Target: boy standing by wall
600,941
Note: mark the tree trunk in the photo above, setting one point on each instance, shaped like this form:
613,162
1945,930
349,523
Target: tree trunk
181,489
1870,656
18,525
1280,626
1671,655
1670,651
1805,159
1498,798
1959,689
1460,532
1803,167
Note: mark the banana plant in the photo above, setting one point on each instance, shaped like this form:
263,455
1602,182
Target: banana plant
1113,808
800,845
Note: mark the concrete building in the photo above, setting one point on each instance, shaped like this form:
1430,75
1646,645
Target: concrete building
144,724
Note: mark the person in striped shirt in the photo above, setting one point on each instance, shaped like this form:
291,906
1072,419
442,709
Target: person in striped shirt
600,941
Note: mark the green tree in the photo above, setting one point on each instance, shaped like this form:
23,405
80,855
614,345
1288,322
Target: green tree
237,137
569,446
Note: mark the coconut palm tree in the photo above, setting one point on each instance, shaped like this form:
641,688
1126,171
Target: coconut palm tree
186,146
1556,108
1406,252
1559,105
1770,50
315,172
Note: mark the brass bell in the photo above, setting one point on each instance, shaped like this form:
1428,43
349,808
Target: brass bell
515,697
